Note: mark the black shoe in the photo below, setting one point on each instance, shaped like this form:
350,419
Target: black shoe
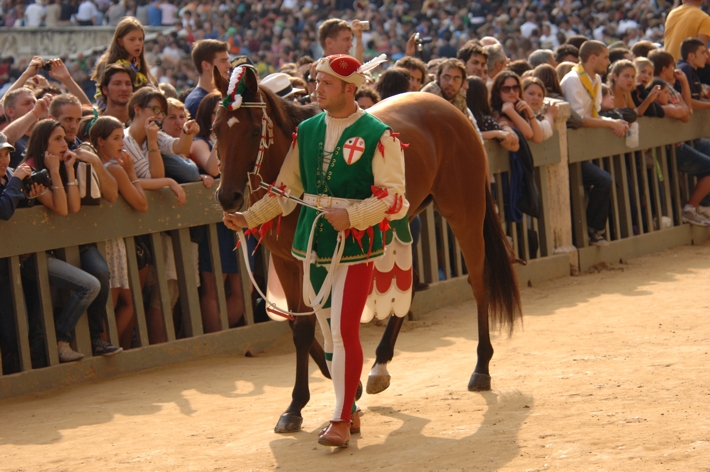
101,348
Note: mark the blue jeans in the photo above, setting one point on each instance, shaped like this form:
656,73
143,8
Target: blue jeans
94,263
695,161
598,183
67,277
182,171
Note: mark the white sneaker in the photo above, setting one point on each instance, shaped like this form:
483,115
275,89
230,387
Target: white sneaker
66,353
692,217
703,211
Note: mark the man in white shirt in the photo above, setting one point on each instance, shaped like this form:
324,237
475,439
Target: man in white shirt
87,14
527,28
582,89
34,14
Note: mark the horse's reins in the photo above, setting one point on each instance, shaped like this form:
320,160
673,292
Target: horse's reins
267,139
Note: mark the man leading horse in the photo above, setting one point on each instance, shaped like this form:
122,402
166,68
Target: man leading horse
350,165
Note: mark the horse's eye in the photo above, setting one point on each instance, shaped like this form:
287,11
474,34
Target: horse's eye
256,133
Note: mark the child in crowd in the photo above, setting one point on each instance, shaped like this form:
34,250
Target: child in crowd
127,48
107,138
534,95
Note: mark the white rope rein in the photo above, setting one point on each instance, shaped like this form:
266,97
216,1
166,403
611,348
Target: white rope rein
267,139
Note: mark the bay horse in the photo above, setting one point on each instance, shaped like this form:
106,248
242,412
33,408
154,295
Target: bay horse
445,162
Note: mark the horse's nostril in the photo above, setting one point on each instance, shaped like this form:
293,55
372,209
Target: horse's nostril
230,201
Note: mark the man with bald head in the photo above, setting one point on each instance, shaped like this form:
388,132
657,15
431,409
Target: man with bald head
350,165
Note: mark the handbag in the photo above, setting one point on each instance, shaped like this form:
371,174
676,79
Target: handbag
88,180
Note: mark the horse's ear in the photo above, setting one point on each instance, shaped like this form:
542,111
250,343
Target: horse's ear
220,82
250,80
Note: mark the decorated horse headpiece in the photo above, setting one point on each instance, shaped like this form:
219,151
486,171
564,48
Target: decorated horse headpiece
237,85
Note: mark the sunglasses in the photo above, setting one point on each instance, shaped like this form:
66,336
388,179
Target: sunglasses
156,110
510,88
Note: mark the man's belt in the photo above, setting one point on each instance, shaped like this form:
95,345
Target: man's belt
326,201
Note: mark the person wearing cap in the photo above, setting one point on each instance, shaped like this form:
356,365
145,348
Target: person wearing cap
351,166
280,84
10,197
206,55
10,182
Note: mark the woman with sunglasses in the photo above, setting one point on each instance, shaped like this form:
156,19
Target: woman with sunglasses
510,110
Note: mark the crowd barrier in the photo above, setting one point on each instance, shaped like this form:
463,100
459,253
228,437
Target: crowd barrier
645,217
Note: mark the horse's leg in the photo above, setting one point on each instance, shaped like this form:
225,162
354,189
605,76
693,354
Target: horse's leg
379,378
303,338
466,222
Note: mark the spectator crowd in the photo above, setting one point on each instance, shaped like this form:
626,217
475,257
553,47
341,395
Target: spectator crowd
138,117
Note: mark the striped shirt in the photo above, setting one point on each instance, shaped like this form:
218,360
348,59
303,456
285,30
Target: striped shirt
141,164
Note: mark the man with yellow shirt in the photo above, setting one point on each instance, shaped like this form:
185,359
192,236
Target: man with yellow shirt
686,21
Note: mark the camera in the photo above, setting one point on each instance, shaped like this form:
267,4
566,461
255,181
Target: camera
420,41
365,25
48,65
42,177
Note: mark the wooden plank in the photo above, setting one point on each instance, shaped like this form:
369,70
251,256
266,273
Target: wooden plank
624,205
656,190
217,274
233,342
614,199
166,309
110,314
444,244
189,298
108,221
677,204
82,338
246,288
579,218
428,243
637,194
136,292
647,197
46,309
18,302
625,249
668,200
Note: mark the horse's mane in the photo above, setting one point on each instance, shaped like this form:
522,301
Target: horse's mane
286,114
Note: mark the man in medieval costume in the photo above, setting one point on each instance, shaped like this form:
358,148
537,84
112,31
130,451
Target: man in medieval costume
350,166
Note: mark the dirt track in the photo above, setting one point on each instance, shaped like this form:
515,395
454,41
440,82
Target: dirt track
610,373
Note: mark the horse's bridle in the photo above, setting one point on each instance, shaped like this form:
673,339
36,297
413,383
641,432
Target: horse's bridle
267,139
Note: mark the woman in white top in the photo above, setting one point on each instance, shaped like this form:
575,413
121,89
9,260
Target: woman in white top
534,95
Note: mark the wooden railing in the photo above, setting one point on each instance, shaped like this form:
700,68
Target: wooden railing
648,192
31,232
642,195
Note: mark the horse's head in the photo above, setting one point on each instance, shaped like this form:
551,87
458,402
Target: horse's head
238,130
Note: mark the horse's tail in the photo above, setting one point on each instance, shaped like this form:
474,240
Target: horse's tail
502,288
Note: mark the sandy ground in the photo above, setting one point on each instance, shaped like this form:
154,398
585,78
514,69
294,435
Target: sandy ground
609,373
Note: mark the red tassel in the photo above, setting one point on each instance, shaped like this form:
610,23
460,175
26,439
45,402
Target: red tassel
357,236
384,226
394,135
278,226
396,205
403,146
294,136
370,234
379,192
381,148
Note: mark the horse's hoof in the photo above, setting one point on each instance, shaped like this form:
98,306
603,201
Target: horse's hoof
377,383
289,423
358,393
479,382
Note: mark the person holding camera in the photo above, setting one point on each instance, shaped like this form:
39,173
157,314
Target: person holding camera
145,141
47,150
